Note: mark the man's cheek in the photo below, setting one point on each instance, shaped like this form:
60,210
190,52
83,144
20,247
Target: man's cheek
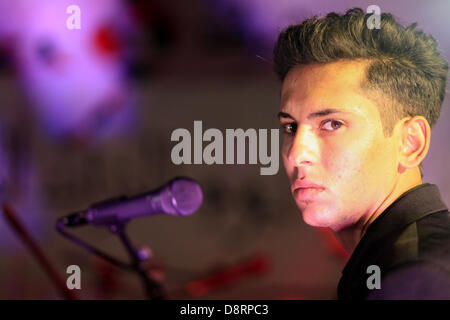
285,146
284,155
288,168
345,170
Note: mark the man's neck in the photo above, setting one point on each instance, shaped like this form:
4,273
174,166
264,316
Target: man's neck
349,237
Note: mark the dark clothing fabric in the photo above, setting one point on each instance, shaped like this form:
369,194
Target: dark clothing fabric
410,243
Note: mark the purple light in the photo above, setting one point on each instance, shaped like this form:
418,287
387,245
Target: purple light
75,85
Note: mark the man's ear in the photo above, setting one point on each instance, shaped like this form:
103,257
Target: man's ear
415,142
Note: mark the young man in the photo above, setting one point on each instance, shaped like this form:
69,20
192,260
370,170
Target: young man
357,107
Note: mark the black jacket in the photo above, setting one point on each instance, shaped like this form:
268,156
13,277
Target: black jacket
410,243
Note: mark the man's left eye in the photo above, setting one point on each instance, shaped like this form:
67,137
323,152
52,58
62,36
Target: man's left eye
331,125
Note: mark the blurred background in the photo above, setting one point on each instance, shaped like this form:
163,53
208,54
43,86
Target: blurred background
87,114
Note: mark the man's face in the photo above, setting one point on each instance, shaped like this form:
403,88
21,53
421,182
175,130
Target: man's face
333,137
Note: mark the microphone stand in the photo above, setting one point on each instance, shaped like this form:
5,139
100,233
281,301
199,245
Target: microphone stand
153,289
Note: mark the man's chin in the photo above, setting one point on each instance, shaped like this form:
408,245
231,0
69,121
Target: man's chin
317,219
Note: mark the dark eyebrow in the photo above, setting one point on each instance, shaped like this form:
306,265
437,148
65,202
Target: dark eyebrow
285,115
317,114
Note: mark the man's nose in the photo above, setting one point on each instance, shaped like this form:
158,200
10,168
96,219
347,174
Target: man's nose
304,148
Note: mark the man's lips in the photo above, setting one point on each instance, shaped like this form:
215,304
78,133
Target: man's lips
305,184
304,190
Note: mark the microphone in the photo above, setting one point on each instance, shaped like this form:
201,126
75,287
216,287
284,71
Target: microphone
179,197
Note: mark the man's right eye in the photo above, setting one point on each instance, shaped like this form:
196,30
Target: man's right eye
289,128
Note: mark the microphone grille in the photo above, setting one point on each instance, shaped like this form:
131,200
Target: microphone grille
187,195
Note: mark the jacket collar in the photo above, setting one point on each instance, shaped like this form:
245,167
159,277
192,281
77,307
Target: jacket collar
415,204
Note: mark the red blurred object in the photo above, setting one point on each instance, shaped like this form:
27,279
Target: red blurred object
107,41
257,265
48,267
332,244
108,279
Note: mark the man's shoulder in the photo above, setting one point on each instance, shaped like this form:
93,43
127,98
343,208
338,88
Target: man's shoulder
420,279
433,234
427,239
415,263
410,239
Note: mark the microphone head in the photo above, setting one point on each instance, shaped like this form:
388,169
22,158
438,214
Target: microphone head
186,196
